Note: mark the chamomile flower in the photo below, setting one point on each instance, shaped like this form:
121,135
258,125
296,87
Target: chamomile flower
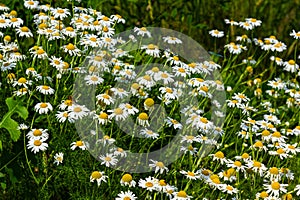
142,31
44,89
38,52
142,119
181,195
43,108
24,32
231,22
172,40
216,33
146,81
58,158
60,13
191,175
71,49
173,123
22,127
15,22
98,176
290,66
93,80
127,180
108,160
38,134
37,145
126,195
219,156
254,22
118,114
159,166
31,4
149,183
275,188
22,82
295,35
151,50
147,133
77,111
118,18
246,25
80,144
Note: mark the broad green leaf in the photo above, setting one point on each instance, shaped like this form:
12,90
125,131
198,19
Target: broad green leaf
8,123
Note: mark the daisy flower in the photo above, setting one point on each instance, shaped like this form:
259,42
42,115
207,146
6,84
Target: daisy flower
219,156
80,144
31,4
127,180
275,188
15,22
38,52
131,110
106,140
246,25
93,79
181,195
146,81
22,82
44,89
147,133
102,118
142,119
254,22
216,33
151,50
38,134
43,107
172,40
118,18
229,189
149,183
60,13
63,116
159,166
71,49
290,66
231,22
191,175
58,158
295,35
108,160
118,114
257,167
24,32
105,98
37,145
22,127
126,195
77,111
98,176
142,31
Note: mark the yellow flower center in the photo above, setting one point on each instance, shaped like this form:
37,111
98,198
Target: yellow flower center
176,58
160,164
155,69
108,159
191,173
118,111
37,143
149,102
292,62
143,116
45,87
103,116
203,120
169,90
182,194
22,80
70,47
126,178
245,156
40,51
276,134
162,182
105,18
37,132
79,143
280,151
143,29
237,163
204,88
96,175
14,19
258,144
94,78
256,164
275,185
77,109
24,29
274,170
219,154
265,133
147,77
43,105
151,46
149,184
60,11
228,187
263,194
105,29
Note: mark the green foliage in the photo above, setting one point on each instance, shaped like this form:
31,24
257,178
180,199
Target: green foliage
14,106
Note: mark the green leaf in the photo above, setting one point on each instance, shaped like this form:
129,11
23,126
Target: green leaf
2,175
8,123
1,145
3,185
